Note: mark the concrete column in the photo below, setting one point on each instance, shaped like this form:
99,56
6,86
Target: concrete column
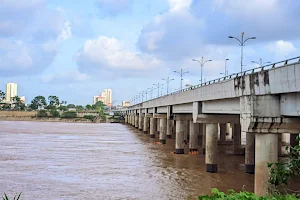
222,132
146,125
169,128
132,120
186,130
141,122
266,151
250,153
211,156
194,132
203,138
280,144
136,122
179,144
157,126
153,125
293,141
236,139
163,130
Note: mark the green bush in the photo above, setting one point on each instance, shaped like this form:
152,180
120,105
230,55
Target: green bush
42,113
54,113
217,195
69,114
90,117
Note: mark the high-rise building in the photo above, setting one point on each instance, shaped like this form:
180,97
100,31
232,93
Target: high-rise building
11,91
125,103
98,98
107,93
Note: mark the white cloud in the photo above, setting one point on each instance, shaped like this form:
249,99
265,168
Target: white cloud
64,77
113,7
282,48
105,53
179,5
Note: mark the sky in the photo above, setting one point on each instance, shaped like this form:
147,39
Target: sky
76,49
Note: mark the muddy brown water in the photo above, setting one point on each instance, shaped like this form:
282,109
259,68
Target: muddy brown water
49,160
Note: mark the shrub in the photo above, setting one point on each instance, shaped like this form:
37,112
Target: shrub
69,114
217,195
54,113
90,117
42,113
5,197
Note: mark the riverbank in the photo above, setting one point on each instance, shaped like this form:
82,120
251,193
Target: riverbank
48,119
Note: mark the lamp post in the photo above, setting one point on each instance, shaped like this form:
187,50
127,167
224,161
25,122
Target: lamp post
181,73
168,81
157,85
242,42
151,90
202,62
226,71
260,63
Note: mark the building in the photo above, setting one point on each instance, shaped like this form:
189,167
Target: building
22,99
107,93
11,91
125,103
99,98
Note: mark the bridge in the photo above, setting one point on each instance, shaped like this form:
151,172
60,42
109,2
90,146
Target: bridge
263,103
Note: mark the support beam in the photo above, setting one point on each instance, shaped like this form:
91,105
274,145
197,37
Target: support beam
146,125
141,122
266,151
163,130
222,132
194,132
236,139
157,126
186,130
179,144
250,153
153,125
203,138
211,156
169,128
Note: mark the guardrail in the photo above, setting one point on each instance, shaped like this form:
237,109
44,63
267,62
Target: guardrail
235,75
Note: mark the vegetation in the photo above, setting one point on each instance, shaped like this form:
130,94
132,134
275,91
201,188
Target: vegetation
71,106
54,113
69,114
42,113
39,102
89,117
282,171
5,197
232,195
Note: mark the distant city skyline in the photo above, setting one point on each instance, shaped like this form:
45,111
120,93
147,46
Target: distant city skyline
105,97
11,91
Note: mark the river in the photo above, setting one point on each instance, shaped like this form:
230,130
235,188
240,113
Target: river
49,160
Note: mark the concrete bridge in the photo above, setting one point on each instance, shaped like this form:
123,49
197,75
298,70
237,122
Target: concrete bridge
262,103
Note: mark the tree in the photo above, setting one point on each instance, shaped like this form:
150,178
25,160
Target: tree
2,96
79,107
88,107
62,108
38,102
53,100
71,106
54,113
17,104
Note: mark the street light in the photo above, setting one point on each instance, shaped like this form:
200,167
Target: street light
157,85
181,73
151,90
260,63
168,81
202,64
226,71
242,44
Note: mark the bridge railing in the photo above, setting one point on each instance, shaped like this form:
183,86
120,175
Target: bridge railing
229,77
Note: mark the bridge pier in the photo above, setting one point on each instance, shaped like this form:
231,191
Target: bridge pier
163,130
211,156
141,121
157,126
186,126
266,151
153,125
222,132
169,128
136,121
293,141
203,138
146,124
194,132
250,153
179,144
236,129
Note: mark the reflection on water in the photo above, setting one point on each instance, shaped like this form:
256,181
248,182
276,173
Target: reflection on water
104,161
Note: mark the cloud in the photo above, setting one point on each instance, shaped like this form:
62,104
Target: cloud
192,27
109,56
64,77
282,49
30,34
113,7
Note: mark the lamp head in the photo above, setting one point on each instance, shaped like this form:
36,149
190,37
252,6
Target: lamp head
227,59
230,37
253,38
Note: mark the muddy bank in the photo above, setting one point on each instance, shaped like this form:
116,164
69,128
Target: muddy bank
47,119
